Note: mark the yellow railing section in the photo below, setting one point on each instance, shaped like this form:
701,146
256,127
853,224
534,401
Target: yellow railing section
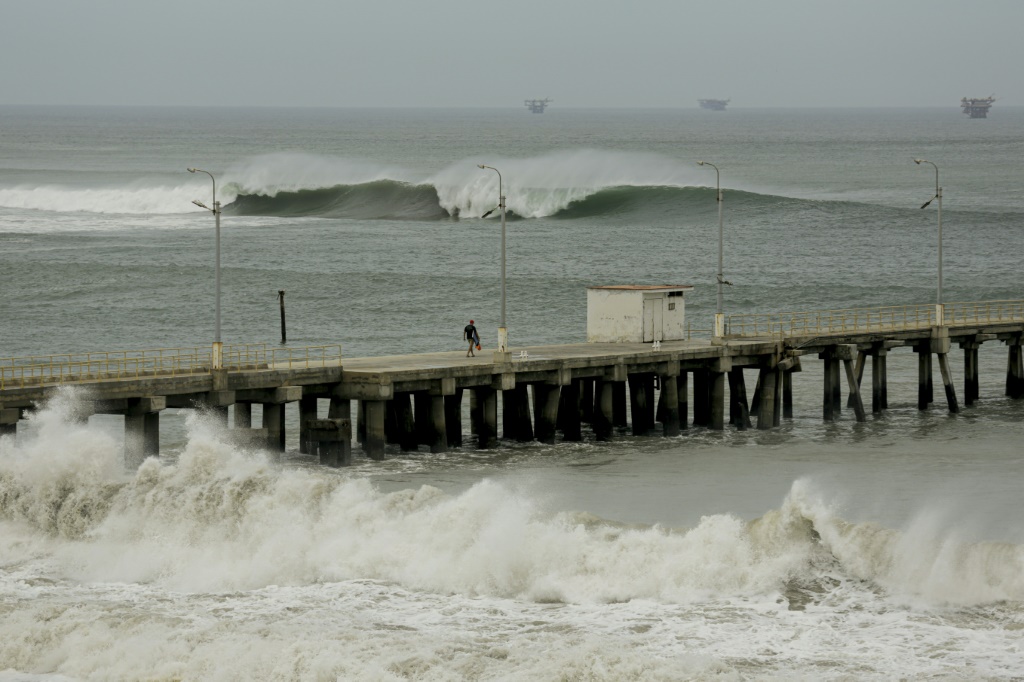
868,320
75,368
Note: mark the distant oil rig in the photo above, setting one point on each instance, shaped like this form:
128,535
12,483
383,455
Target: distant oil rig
977,107
713,104
537,106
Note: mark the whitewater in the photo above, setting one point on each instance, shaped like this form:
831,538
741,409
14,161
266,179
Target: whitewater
224,565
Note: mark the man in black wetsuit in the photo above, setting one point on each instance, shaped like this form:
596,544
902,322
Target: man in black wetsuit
470,334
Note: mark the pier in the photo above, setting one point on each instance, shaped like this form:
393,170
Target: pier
546,393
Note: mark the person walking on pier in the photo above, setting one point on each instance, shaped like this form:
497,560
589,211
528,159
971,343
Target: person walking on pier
473,337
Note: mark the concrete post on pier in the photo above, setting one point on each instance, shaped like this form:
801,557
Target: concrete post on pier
971,386
360,422
845,353
307,412
683,399
858,372
438,429
515,414
924,374
831,388
423,412
670,402
701,397
331,440
716,392
373,443
1014,368
878,356
603,410
474,412
940,345
9,417
619,417
487,427
642,411
142,430
768,382
274,401
587,400
570,412
546,398
739,411
243,415
453,418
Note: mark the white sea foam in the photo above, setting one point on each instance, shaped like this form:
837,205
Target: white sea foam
224,565
542,186
535,187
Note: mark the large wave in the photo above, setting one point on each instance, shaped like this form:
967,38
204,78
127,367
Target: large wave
222,519
308,185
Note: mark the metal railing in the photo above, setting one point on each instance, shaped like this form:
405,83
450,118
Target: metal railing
39,370
868,320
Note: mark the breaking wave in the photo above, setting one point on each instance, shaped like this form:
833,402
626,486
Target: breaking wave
222,518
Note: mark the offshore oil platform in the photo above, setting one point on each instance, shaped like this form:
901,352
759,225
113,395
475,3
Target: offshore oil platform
977,107
713,104
537,106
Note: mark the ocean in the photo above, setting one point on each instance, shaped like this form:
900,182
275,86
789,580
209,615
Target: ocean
890,549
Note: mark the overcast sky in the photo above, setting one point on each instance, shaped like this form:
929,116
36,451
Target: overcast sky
482,53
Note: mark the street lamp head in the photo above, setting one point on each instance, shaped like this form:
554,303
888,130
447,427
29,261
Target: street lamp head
201,204
191,170
700,163
918,161
480,165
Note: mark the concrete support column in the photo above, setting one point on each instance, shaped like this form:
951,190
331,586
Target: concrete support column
683,399
947,382
619,417
404,423
739,412
487,429
474,412
438,431
971,385
361,422
640,410
243,415
787,394
142,430
373,445
587,400
716,398
307,411
1015,369
273,422
331,440
9,417
424,435
570,413
546,412
827,403
522,426
670,404
768,382
604,409
877,379
453,418
854,388
858,372
701,397
924,375
341,409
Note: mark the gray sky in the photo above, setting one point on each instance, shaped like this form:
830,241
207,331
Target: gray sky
482,53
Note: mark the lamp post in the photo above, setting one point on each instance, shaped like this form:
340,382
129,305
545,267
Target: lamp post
502,329
719,315
938,195
217,358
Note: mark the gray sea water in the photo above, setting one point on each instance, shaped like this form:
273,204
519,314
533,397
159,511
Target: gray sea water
885,550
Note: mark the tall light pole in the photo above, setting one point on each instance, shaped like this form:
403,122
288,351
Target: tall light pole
938,195
719,315
502,329
217,358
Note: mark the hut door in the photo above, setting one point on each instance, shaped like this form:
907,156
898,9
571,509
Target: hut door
652,319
